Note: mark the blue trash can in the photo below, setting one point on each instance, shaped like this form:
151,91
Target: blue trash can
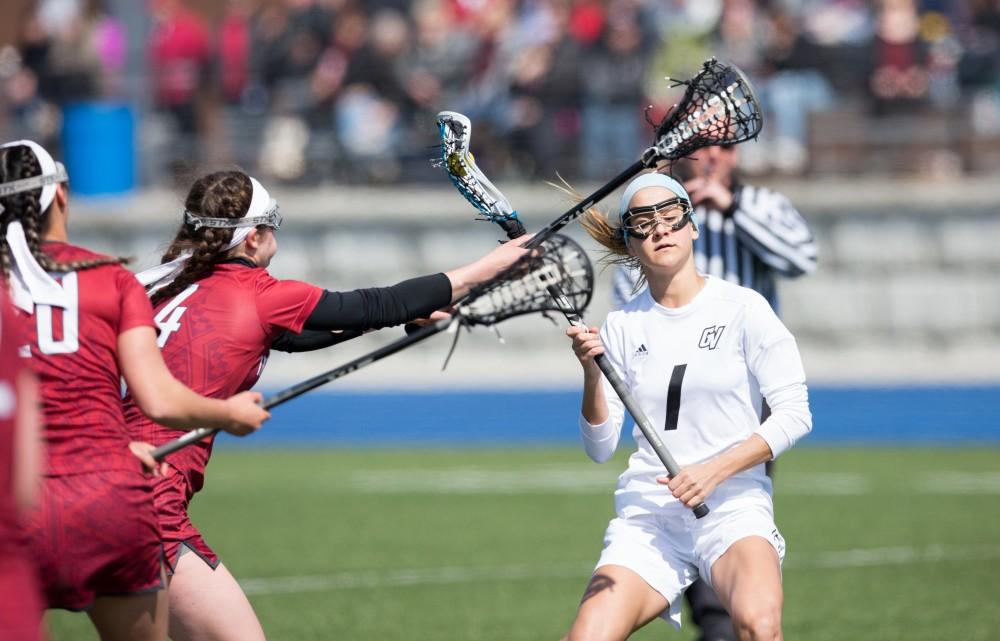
99,148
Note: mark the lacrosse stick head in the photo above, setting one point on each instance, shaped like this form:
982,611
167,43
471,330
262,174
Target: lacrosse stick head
719,107
523,288
457,160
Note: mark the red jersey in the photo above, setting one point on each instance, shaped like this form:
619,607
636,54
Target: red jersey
215,336
74,351
10,366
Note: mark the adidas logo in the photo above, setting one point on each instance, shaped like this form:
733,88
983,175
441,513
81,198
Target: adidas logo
642,351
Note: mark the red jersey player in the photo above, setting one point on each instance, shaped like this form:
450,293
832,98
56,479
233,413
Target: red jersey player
20,454
219,313
95,536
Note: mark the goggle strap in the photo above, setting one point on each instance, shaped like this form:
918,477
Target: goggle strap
35,182
271,219
654,209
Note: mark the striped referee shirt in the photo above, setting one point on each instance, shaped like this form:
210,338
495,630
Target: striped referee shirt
764,236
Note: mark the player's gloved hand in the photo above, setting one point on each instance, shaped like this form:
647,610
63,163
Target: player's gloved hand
586,345
143,451
245,413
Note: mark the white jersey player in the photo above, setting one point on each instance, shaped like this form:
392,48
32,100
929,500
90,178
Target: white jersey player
699,354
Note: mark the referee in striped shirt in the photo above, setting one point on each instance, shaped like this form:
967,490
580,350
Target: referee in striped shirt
746,235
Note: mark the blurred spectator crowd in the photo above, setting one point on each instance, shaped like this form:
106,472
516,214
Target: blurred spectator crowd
347,90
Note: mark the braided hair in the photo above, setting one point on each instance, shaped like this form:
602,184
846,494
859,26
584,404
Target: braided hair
222,194
16,163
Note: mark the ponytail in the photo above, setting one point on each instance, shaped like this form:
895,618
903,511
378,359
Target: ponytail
16,163
611,237
223,194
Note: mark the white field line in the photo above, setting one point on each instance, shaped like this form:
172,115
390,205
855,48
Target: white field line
476,480
960,483
567,479
410,577
572,479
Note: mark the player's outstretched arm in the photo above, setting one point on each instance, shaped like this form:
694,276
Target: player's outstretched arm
362,310
169,402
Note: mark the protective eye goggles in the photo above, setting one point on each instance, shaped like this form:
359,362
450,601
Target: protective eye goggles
270,218
640,222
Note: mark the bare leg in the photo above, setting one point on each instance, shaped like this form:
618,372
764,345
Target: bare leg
617,602
747,579
142,617
209,605
708,613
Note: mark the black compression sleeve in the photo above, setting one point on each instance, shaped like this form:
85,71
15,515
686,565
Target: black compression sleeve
310,340
379,307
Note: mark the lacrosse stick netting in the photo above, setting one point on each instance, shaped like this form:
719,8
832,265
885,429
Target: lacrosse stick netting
719,107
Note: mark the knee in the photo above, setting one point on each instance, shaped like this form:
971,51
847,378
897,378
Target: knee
758,622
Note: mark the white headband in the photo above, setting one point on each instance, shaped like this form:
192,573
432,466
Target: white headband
263,209
52,173
29,283
654,179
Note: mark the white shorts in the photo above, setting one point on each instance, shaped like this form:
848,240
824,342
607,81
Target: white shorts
671,552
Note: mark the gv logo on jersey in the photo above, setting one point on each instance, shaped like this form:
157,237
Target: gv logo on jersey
710,336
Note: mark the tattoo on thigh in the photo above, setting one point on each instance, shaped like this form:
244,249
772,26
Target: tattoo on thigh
598,583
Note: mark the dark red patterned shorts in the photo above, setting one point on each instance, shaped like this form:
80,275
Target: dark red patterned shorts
20,600
96,534
172,497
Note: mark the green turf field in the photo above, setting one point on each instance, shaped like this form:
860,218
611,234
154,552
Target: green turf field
474,545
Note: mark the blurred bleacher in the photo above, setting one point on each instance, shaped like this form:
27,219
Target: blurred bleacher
333,91
906,288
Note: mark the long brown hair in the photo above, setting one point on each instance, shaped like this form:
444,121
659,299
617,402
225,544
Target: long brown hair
16,163
222,194
596,222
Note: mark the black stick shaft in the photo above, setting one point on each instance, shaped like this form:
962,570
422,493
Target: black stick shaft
312,383
645,426
585,204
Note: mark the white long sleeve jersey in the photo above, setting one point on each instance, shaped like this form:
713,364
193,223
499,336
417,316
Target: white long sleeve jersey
699,372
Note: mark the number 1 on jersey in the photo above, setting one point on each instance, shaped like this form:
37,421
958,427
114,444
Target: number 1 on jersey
168,320
674,397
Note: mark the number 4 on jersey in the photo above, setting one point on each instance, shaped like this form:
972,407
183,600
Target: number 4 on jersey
168,320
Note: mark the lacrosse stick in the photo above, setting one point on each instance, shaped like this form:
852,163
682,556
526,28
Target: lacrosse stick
518,290
484,196
719,107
